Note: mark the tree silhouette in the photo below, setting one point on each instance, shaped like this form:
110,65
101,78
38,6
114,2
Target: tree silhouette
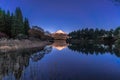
13,24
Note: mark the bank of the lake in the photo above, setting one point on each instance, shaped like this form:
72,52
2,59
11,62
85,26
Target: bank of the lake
12,45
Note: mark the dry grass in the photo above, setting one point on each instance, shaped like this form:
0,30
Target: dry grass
10,45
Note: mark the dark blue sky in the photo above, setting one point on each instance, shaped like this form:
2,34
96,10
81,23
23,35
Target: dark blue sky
67,15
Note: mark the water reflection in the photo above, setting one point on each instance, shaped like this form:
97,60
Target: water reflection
95,48
13,64
39,55
45,64
60,44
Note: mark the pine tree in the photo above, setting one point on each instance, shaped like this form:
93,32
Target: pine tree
26,26
117,31
18,14
2,21
8,23
17,27
17,23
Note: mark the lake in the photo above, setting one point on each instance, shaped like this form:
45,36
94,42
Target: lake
62,61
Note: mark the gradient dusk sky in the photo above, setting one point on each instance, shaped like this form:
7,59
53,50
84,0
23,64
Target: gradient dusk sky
67,15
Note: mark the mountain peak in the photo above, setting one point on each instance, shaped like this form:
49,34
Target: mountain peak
60,31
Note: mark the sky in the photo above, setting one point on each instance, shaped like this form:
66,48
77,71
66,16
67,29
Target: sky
67,15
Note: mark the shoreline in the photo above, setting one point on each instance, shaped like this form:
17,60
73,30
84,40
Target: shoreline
13,45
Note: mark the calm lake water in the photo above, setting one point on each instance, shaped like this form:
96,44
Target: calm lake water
61,61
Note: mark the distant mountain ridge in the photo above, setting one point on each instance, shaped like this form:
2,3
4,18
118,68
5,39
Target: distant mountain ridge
60,35
37,32
60,32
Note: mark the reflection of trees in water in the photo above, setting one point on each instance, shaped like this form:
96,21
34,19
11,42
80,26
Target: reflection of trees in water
92,48
15,62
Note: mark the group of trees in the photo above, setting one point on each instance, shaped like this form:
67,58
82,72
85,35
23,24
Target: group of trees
13,24
90,33
95,33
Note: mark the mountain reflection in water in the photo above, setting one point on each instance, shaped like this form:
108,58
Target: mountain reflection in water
59,44
45,64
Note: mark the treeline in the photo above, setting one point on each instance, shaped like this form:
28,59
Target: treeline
87,34
13,24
